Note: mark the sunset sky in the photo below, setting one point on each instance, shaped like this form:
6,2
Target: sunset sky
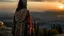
33,5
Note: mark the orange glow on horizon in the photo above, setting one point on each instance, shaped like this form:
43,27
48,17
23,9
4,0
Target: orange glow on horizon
40,6
36,6
61,6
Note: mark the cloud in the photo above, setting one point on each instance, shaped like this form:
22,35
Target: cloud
7,0
43,0
34,0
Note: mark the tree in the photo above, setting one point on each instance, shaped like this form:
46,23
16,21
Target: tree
52,32
45,32
36,27
59,29
53,26
40,32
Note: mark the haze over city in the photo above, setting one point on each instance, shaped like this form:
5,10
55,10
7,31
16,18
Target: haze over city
44,13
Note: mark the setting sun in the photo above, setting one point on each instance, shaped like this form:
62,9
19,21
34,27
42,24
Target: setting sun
61,6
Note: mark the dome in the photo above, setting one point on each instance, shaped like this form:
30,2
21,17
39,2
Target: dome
1,23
